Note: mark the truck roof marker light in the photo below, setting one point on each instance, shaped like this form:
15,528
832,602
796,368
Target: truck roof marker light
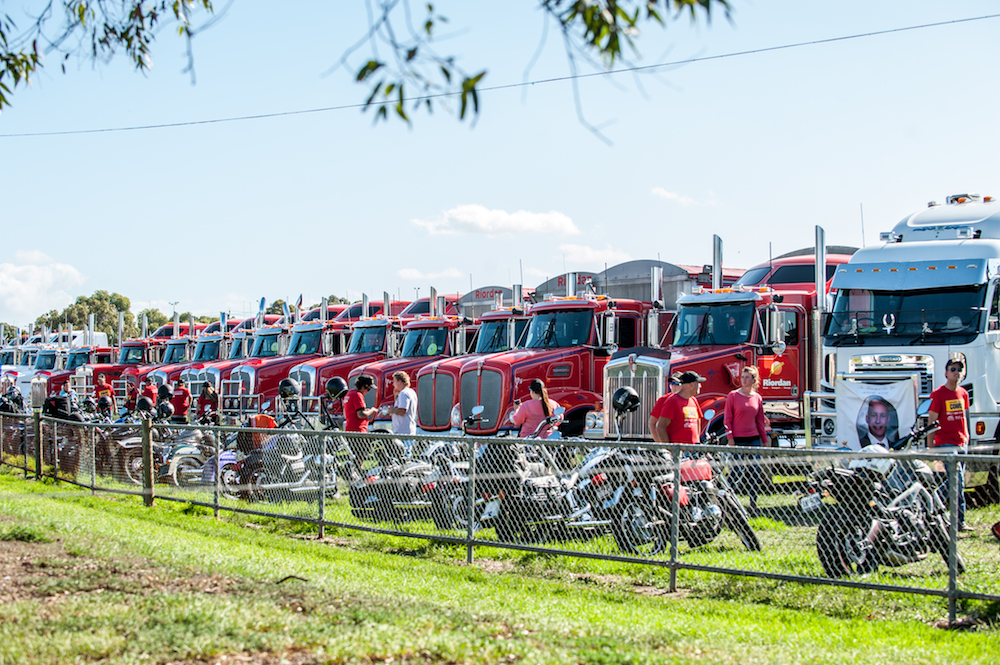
912,268
951,267
893,269
987,199
876,270
932,267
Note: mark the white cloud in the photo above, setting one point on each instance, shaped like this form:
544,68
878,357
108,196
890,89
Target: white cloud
594,258
34,284
415,275
673,196
477,219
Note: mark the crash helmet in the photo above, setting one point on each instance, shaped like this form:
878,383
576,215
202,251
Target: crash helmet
289,388
165,410
144,404
625,400
336,387
104,403
164,392
89,405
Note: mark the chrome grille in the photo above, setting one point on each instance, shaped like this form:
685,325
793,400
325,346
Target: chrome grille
305,379
636,424
922,365
434,396
485,389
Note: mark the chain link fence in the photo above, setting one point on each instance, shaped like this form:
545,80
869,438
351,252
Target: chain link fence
875,520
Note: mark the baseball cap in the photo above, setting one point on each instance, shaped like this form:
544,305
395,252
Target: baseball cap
676,377
691,377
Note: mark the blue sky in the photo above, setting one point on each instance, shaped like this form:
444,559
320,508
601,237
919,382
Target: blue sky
757,148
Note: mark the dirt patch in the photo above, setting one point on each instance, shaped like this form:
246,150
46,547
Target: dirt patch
48,570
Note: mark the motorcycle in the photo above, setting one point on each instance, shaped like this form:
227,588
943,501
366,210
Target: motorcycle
184,454
888,511
636,487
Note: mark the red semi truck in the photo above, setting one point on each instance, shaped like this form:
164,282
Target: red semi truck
567,343
763,320
425,340
437,384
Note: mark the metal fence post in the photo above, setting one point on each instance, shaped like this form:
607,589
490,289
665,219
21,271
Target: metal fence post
471,514
218,473
93,461
953,498
675,510
55,451
322,487
38,442
147,463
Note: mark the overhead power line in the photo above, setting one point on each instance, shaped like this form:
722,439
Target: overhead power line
509,86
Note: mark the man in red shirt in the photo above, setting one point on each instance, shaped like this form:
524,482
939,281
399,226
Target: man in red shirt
181,401
679,418
356,417
673,383
949,408
103,389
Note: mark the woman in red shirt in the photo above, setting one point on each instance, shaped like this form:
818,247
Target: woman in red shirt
746,425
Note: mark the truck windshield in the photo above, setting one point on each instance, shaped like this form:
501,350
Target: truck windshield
131,355
424,342
7,358
927,316
550,330
78,359
265,346
305,342
728,323
493,336
367,339
238,349
45,361
206,350
175,354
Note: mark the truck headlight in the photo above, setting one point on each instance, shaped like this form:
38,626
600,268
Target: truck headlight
595,420
456,415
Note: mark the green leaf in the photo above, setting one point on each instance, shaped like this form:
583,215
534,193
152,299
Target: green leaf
370,68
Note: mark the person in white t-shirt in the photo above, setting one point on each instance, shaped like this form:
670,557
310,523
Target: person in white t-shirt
404,409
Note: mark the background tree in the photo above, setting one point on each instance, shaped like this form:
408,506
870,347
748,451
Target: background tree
103,305
94,30
596,33
154,318
277,307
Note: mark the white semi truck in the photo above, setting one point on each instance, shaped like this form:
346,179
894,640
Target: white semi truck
927,293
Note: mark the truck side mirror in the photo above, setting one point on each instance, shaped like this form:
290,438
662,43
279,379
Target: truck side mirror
610,329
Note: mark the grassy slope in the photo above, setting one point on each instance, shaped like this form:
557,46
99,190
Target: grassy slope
373,605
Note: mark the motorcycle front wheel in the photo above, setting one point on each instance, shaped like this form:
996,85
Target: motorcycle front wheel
132,466
842,546
737,519
637,529
186,472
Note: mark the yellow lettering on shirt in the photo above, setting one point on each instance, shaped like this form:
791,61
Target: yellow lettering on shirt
690,412
953,405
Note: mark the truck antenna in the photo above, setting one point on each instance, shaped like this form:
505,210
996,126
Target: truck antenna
862,224
770,261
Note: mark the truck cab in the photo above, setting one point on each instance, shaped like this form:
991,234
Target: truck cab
78,357
928,293
372,340
425,340
567,343
437,384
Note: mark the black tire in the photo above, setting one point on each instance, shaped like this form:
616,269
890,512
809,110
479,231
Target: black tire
841,545
512,527
987,494
736,518
703,532
939,542
638,529
132,466
186,472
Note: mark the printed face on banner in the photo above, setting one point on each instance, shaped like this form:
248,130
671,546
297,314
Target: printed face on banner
870,414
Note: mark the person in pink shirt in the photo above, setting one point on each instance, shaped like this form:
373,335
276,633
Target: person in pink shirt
530,414
746,425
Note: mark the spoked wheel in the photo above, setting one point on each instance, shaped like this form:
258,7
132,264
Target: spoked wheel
842,546
737,519
132,466
186,472
939,542
637,529
229,480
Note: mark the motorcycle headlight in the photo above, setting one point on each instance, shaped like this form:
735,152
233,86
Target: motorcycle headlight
456,415
508,418
595,420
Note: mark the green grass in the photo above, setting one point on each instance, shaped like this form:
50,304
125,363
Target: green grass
172,584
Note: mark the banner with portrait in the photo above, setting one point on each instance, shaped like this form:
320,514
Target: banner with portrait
875,413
